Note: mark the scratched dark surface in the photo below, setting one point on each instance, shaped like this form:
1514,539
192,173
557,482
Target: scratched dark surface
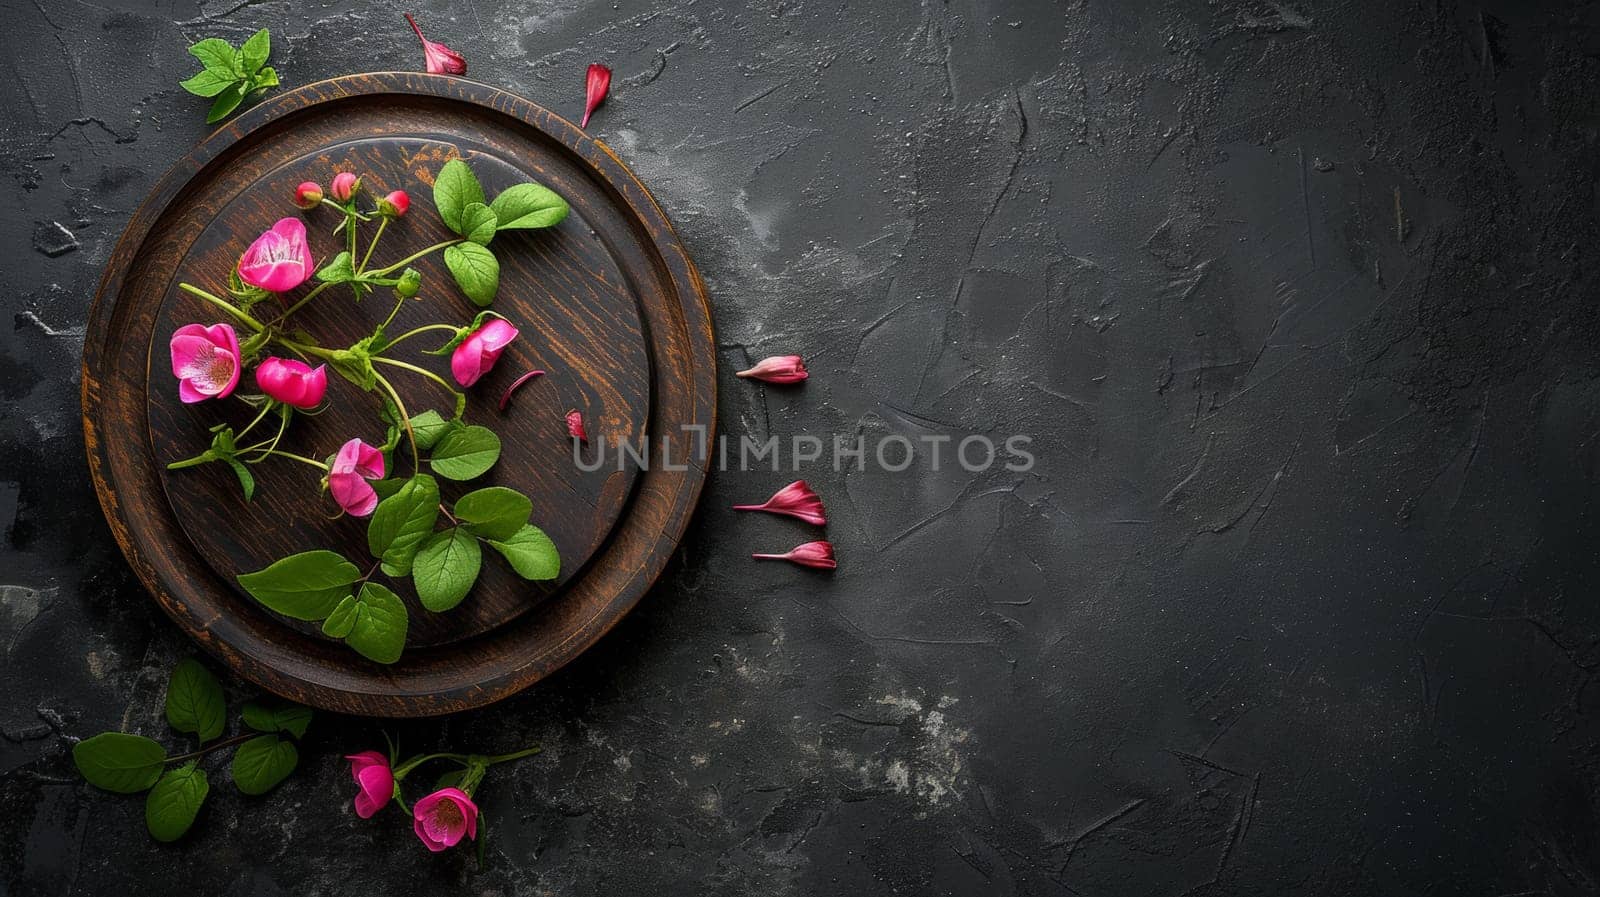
1296,299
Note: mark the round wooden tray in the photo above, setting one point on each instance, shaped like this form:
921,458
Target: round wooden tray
608,302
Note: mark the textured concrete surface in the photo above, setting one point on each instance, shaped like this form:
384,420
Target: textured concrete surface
1297,299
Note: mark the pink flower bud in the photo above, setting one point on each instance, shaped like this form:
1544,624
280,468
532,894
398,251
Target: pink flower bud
795,500
371,771
345,184
355,464
394,205
478,353
293,382
308,195
444,817
205,360
440,59
278,260
575,426
597,84
812,554
778,369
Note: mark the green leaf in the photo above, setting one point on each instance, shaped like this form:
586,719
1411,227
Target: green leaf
226,102
401,522
254,52
465,453
262,762
428,427
217,56
531,553
174,801
291,718
527,206
379,633
305,586
445,569
246,480
194,700
478,223
494,513
343,618
267,77
476,270
126,764
455,188
207,83
339,269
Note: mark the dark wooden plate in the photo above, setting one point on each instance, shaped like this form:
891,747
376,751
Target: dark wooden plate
608,302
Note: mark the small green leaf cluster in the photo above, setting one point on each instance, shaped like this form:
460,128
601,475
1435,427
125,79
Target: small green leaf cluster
461,202
404,540
230,73
129,764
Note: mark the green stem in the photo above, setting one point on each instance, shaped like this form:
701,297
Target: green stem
382,223
202,458
265,407
395,362
301,303
328,202
270,444
515,755
318,351
237,739
405,418
301,458
420,330
222,304
405,768
413,257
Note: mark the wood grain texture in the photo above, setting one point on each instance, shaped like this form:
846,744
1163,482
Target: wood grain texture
608,302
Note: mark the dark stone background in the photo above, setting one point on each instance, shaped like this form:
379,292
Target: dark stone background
1297,299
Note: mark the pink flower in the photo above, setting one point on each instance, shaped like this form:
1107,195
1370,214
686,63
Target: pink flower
308,195
778,369
480,350
597,84
395,204
205,360
371,771
293,382
441,60
575,426
444,817
278,260
345,185
356,463
795,500
812,554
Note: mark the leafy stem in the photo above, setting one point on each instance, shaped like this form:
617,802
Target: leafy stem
460,397
418,331
241,738
292,456
243,316
382,223
405,418
301,302
416,255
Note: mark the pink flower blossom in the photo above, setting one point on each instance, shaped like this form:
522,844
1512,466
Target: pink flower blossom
278,260
308,195
440,59
371,771
293,382
345,184
444,817
597,84
812,554
205,360
778,369
480,350
395,204
355,464
575,426
795,500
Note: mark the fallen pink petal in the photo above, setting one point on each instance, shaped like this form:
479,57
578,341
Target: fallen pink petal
817,554
575,426
355,464
372,774
478,353
794,500
505,399
438,58
597,84
205,360
278,261
444,817
293,382
781,369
